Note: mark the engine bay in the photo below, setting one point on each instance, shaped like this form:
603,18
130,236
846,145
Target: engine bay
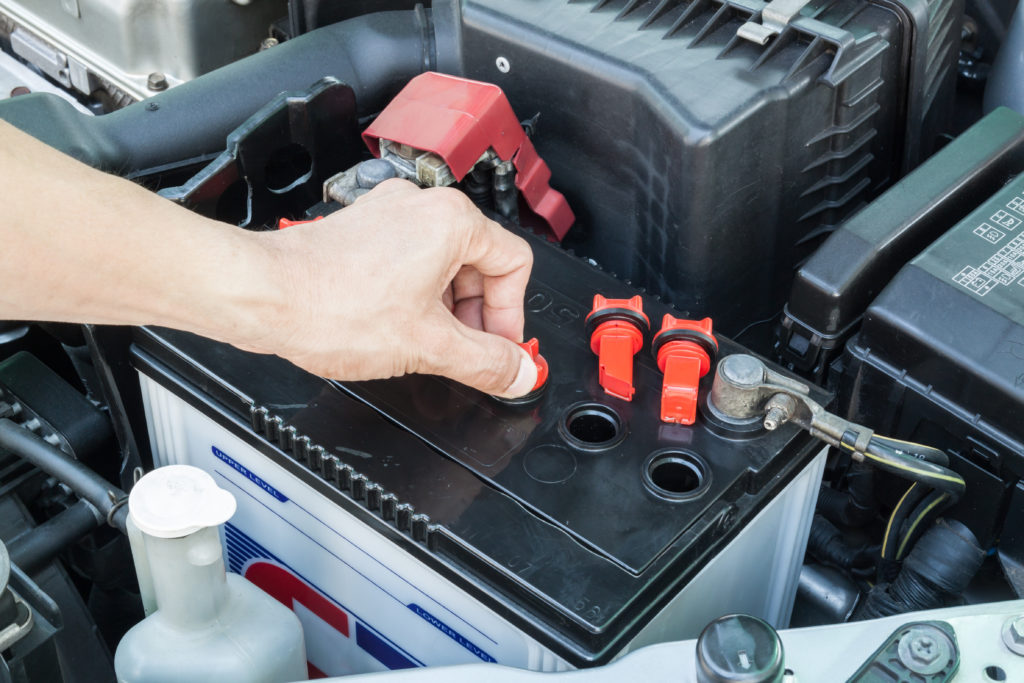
776,307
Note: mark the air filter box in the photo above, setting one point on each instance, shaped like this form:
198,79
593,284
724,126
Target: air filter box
703,166
417,522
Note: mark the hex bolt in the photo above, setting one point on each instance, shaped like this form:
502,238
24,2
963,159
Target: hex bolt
925,649
268,43
156,81
1013,635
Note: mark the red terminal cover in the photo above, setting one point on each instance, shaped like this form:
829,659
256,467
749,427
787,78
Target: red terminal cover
618,327
684,350
458,120
532,347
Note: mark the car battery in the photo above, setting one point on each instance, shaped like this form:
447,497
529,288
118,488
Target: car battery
416,522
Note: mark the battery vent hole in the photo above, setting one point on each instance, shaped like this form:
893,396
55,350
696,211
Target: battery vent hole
592,426
676,474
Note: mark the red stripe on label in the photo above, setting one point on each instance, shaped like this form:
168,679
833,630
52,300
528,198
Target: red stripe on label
286,587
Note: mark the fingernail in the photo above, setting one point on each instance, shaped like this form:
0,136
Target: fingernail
525,378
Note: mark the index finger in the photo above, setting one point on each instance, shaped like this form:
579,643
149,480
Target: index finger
505,261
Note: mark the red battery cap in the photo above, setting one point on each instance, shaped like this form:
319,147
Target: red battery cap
285,223
617,328
685,350
532,347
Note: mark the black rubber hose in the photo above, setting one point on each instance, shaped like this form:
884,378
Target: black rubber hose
106,497
856,506
826,543
35,548
375,54
935,572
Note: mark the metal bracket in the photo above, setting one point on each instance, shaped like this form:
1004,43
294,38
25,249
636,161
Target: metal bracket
775,16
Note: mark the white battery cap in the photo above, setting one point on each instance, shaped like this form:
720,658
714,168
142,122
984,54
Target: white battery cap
178,500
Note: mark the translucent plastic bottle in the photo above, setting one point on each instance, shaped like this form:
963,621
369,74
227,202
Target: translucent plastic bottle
202,624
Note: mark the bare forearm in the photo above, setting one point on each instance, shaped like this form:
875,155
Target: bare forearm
82,246
402,281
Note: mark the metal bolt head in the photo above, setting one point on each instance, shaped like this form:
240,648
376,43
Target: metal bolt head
268,43
156,81
503,65
925,649
1013,635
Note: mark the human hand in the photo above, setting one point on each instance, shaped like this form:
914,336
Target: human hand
403,281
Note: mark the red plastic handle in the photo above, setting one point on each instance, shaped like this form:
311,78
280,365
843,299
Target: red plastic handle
532,347
286,223
615,342
684,362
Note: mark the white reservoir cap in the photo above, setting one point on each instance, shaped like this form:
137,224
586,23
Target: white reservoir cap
178,500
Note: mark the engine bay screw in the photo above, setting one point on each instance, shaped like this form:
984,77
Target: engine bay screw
503,65
156,81
1013,635
924,649
268,43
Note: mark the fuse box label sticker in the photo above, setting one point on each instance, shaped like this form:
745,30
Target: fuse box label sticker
244,471
1005,220
451,633
984,253
1001,268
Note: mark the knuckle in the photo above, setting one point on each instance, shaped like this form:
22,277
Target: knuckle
449,198
497,377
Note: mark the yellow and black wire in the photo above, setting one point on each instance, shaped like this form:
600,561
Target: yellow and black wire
935,487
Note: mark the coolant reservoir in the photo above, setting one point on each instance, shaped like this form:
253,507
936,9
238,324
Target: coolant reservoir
201,624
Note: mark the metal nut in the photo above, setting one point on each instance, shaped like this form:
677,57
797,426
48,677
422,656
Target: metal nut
156,81
1013,635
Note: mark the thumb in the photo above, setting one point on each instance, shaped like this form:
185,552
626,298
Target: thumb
484,361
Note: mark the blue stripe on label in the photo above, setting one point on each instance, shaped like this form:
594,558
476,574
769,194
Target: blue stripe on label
380,650
241,469
450,632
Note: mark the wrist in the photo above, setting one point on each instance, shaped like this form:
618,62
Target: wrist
239,297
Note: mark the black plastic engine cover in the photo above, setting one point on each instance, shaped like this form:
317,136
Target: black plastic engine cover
554,526
704,167
940,356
